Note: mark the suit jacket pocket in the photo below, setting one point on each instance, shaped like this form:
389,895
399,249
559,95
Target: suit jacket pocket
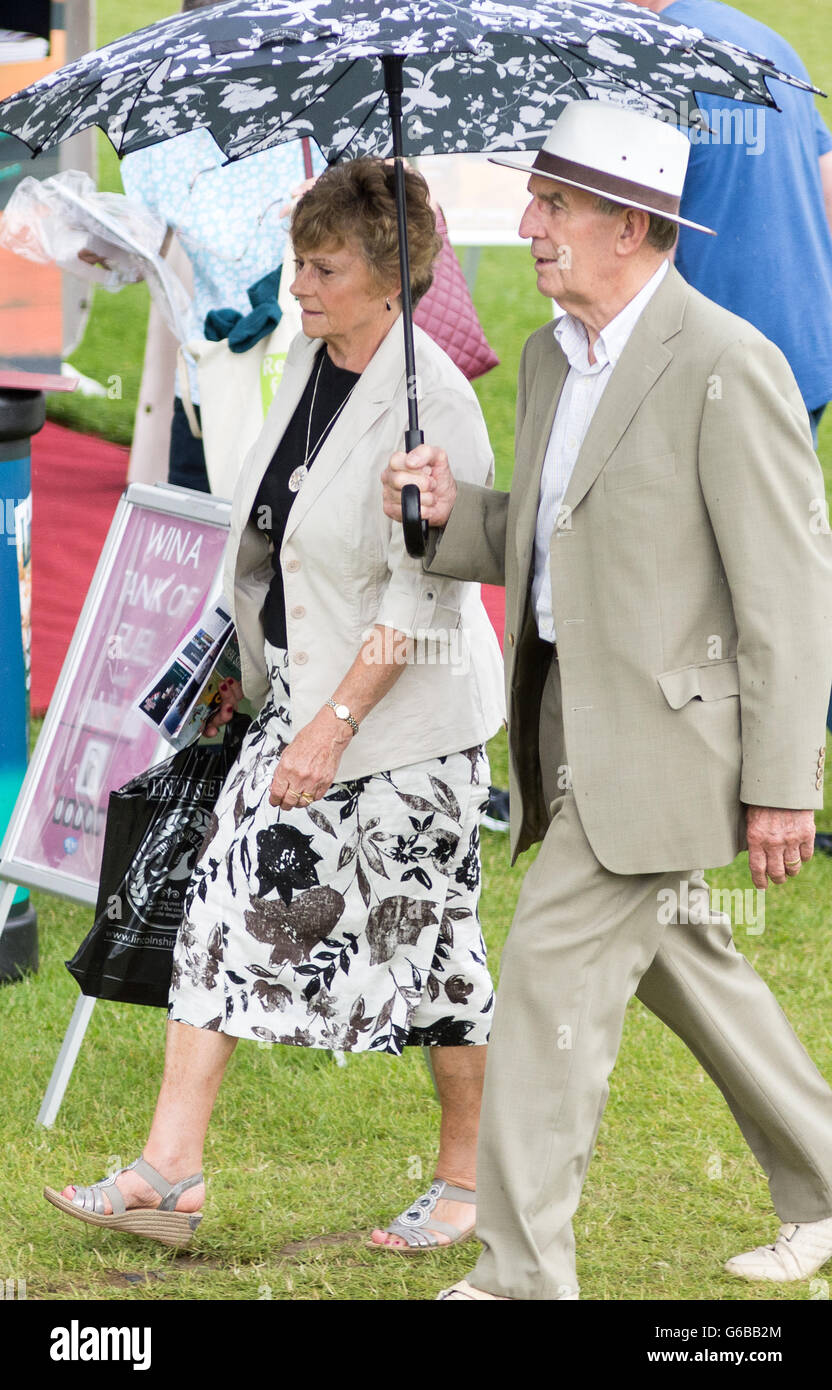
634,474
714,680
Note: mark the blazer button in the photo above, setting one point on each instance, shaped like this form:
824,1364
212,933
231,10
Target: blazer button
292,566
298,611
300,658
819,783
511,639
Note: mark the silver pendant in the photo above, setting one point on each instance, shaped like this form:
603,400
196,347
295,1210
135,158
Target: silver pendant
297,478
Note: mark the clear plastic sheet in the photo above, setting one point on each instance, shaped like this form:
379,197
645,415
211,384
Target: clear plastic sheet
101,237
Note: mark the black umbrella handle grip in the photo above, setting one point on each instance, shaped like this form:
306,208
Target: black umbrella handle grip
416,530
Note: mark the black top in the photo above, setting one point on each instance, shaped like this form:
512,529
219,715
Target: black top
274,498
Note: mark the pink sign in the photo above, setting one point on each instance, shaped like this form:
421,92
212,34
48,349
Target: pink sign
155,583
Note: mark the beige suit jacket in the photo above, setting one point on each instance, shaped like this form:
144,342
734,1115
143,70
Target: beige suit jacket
345,568
691,584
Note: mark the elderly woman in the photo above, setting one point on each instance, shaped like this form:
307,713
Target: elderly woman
335,901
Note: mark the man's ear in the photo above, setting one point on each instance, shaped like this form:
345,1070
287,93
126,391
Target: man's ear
633,230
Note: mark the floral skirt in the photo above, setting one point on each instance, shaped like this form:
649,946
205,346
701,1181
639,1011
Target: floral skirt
350,924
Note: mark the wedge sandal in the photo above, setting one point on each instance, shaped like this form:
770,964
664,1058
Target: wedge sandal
160,1223
419,1228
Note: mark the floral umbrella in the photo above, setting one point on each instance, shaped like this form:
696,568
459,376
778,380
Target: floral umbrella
425,77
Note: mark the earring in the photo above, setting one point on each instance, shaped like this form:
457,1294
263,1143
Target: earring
389,305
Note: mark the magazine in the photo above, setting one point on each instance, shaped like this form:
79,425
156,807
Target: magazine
18,47
185,692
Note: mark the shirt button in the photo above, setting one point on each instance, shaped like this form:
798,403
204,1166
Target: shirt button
300,658
511,639
291,566
298,611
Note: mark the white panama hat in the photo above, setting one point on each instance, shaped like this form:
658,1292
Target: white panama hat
618,153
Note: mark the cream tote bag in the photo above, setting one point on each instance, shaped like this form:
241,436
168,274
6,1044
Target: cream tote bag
236,390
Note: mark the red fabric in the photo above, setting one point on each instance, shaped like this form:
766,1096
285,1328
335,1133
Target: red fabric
447,314
495,606
76,483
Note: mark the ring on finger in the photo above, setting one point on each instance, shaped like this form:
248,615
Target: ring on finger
290,791
790,863
307,797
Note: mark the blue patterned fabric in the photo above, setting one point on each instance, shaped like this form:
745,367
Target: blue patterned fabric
226,215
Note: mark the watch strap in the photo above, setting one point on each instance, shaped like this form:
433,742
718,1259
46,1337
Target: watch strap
348,719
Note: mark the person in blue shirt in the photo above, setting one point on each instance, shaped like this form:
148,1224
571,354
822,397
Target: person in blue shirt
763,180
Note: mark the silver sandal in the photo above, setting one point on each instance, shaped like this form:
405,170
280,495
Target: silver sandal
416,1227
160,1223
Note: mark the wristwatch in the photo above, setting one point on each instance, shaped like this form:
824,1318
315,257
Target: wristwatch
341,712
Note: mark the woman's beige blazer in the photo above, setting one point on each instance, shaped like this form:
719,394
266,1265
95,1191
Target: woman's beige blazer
345,568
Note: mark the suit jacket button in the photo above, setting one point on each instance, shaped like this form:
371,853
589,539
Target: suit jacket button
292,566
819,783
300,658
298,611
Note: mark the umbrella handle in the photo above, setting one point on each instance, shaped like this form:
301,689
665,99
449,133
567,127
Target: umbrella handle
416,530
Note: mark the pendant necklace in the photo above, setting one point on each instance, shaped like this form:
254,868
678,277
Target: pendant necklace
298,477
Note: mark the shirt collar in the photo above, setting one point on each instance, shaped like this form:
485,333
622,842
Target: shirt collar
572,336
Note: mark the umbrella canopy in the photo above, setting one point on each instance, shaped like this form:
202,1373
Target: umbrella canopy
478,76
426,77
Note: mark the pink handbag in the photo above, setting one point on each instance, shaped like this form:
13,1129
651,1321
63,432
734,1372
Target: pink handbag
447,313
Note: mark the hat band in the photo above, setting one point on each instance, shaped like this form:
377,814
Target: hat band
608,183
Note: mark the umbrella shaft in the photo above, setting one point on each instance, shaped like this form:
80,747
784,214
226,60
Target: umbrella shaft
393,87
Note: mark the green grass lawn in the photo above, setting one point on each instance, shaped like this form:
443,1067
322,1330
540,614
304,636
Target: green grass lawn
304,1157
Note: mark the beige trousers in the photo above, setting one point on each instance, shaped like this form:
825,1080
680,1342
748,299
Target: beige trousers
583,940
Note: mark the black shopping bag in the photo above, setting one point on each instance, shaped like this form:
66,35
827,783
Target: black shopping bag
156,825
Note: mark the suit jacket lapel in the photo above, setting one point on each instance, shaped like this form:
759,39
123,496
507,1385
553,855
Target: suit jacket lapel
644,359
533,443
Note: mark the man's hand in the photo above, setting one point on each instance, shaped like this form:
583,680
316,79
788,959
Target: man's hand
779,843
428,469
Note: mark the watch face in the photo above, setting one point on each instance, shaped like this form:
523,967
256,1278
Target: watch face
342,712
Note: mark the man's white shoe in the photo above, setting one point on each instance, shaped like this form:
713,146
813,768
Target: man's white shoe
798,1251
467,1291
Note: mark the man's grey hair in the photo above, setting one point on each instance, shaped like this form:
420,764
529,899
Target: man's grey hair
661,234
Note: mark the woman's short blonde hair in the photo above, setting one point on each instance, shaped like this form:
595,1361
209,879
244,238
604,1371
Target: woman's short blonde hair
356,201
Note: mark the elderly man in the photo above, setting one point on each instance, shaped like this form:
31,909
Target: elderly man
669,588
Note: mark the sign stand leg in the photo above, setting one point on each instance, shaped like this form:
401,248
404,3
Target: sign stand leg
62,1071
